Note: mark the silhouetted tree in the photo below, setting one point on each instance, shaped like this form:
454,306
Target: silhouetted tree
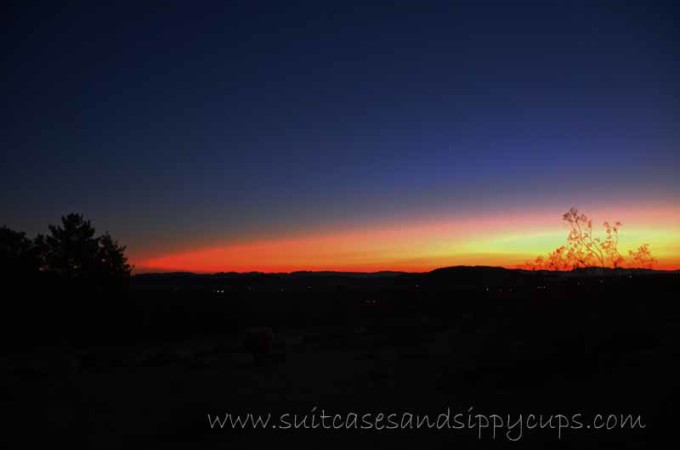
112,264
69,250
73,252
59,275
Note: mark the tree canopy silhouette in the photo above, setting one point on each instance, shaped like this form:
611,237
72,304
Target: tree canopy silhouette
585,249
73,252
68,285
70,252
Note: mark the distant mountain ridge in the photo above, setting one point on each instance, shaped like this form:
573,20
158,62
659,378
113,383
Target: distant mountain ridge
451,276
392,273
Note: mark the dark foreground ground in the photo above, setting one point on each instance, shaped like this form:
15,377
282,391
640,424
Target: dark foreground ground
145,369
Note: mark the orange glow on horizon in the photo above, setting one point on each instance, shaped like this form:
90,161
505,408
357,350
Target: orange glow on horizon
507,240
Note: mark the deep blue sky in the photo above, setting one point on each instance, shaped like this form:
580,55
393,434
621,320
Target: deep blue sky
198,121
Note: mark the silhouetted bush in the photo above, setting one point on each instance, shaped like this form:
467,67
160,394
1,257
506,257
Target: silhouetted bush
584,249
18,255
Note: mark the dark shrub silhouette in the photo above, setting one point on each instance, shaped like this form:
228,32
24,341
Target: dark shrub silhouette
18,255
585,249
642,257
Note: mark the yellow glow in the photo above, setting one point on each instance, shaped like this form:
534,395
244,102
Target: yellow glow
507,240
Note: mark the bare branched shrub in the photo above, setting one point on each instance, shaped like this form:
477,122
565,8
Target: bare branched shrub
584,249
642,257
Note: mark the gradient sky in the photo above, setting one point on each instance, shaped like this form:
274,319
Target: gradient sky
276,136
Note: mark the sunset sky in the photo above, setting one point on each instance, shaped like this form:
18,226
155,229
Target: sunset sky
280,136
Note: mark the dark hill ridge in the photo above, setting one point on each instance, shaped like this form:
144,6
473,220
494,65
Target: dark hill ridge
458,276
296,274
442,271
